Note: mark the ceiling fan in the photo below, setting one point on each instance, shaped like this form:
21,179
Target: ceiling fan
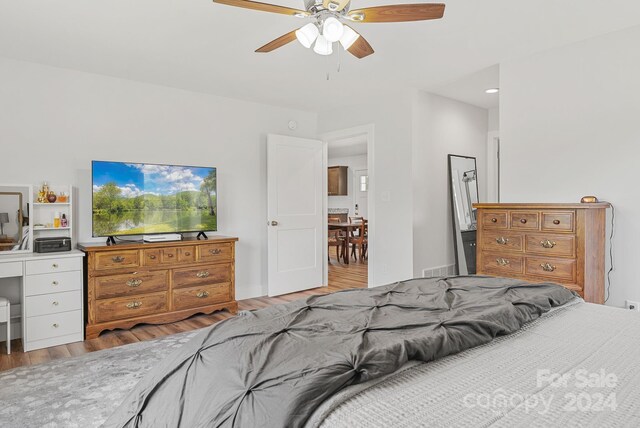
327,25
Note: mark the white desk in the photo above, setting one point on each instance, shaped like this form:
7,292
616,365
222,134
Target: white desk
51,296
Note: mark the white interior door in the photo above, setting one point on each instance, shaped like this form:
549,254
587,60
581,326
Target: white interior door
295,171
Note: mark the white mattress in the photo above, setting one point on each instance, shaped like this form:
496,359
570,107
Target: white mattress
497,384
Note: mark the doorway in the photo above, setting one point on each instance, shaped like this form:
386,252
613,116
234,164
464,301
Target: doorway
349,212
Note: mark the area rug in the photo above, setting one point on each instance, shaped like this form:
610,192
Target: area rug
81,391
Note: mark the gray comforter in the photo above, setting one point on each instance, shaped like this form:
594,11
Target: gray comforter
273,367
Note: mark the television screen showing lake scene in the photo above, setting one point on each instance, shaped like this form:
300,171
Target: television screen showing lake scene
136,199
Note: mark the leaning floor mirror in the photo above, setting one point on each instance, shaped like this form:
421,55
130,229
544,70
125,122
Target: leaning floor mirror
15,236
463,189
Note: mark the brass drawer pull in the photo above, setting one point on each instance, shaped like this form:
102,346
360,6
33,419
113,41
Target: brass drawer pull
187,254
56,325
494,220
169,255
203,274
556,222
547,267
502,262
117,259
502,240
215,251
547,244
523,220
134,282
134,305
152,257
202,294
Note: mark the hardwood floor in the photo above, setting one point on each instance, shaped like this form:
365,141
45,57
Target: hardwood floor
341,277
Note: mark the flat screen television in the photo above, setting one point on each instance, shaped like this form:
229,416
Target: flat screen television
145,199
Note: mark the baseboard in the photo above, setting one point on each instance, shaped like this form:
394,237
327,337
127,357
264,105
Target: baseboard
439,271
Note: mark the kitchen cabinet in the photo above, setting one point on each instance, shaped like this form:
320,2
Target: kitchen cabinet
338,180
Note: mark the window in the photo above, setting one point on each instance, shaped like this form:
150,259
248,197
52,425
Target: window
364,183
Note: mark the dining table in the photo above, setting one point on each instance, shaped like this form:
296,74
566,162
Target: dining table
348,228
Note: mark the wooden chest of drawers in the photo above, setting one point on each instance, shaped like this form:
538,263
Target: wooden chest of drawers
561,243
129,284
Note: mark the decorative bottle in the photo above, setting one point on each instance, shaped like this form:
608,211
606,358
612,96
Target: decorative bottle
63,221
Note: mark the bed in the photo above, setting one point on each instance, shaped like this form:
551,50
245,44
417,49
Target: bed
546,363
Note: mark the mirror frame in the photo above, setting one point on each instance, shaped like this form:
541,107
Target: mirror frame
29,192
455,227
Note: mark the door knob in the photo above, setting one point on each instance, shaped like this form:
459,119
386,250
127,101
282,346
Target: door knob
274,223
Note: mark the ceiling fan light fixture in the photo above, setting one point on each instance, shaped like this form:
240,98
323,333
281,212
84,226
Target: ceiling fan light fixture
307,35
323,46
349,37
332,29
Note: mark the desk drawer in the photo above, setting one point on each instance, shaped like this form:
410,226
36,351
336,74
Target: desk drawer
54,325
498,241
36,267
52,283
525,220
53,303
8,270
551,245
493,219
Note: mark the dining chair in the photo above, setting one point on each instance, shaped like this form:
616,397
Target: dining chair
359,242
335,239
5,316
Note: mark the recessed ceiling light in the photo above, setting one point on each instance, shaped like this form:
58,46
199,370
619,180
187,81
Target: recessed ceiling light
492,91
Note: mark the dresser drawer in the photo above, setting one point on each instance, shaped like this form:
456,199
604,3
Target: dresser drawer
502,263
186,254
193,297
499,241
494,219
133,283
529,220
36,267
52,283
555,269
53,325
560,221
202,275
151,257
53,303
130,307
116,260
552,245
9,270
215,252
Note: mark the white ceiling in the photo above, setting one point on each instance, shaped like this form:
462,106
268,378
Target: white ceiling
471,89
202,46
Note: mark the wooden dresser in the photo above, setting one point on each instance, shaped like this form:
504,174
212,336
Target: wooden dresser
561,243
156,283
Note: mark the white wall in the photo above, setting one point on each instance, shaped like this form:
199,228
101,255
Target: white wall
570,126
354,163
390,179
53,122
441,126
494,119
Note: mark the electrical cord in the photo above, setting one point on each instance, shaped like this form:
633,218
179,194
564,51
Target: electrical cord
613,224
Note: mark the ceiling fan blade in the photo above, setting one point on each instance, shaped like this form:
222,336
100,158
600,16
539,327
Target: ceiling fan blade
264,7
335,5
278,43
398,13
360,48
